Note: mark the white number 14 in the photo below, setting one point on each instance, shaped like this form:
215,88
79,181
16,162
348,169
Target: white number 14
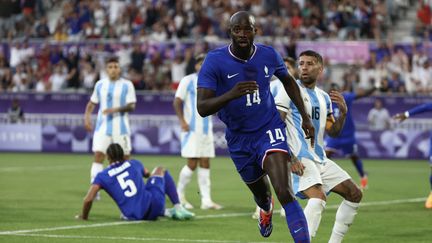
255,98
278,134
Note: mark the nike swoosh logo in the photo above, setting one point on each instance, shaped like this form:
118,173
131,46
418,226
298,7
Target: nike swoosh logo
232,76
296,231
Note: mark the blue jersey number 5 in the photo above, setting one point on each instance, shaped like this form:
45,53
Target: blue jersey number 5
127,185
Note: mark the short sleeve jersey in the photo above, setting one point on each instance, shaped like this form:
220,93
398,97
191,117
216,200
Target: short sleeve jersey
221,71
109,94
124,183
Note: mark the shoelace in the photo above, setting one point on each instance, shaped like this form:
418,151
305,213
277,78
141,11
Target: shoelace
265,218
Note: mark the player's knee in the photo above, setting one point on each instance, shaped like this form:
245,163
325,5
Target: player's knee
355,195
192,164
315,191
284,195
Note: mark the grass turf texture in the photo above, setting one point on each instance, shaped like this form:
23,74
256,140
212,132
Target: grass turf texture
45,191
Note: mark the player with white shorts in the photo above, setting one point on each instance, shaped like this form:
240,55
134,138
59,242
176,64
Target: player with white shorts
197,144
321,175
116,98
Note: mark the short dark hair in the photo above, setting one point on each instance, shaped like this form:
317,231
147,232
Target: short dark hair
115,152
112,59
315,54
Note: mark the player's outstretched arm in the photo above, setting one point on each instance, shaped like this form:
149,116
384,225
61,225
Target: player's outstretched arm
208,103
413,111
333,127
87,116
293,92
88,202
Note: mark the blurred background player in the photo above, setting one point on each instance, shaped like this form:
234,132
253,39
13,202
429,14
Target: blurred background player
197,143
123,181
234,81
321,175
412,112
116,98
345,143
379,117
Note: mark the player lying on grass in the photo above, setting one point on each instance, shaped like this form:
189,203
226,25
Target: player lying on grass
123,181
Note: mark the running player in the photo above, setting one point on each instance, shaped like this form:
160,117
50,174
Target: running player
234,82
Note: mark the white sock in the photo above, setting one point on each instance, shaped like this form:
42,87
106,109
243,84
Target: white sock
95,169
204,185
313,212
184,179
344,218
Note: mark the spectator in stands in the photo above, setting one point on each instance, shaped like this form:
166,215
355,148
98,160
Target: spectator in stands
42,30
15,112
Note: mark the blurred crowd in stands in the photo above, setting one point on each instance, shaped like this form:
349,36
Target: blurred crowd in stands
162,20
43,50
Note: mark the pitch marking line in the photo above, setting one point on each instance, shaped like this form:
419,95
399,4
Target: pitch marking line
365,204
134,238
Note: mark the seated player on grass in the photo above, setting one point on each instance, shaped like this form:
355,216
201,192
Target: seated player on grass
123,181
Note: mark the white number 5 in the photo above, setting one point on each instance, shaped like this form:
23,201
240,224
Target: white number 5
127,185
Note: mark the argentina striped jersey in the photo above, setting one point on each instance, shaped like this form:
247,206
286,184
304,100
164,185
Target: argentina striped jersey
318,107
111,94
187,92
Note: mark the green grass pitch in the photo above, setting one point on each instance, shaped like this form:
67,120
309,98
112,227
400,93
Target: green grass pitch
41,193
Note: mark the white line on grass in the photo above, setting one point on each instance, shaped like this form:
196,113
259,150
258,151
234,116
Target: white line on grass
39,168
117,238
226,215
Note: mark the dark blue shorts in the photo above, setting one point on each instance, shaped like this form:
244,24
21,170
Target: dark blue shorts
341,146
248,151
156,186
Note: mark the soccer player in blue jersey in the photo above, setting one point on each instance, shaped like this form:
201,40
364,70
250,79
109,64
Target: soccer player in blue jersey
234,82
345,143
412,112
123,181
321,175
116,98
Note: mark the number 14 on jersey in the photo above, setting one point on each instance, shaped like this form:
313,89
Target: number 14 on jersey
255,98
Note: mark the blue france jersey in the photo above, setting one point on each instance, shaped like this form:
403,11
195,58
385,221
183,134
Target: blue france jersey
348,129
124,183
221,71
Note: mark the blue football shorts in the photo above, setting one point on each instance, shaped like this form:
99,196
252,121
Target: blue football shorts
248,151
